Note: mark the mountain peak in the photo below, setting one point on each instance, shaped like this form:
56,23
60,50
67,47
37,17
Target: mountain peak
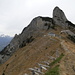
57,8
3,35
42,39
59,16
37,27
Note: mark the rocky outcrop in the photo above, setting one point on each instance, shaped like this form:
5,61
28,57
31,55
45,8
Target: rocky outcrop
59,17
27,36
61,20
36,27
71,26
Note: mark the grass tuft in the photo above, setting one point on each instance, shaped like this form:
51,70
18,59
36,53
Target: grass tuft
53,71
57,60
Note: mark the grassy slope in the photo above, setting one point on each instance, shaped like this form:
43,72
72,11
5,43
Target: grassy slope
37,51
29,56
54,70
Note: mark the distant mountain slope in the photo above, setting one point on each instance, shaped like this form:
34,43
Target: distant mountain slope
4,41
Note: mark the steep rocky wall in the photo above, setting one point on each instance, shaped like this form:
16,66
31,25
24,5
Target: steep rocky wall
27,36
37,25
59,17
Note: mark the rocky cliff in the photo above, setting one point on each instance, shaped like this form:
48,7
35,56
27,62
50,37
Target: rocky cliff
28,35
61,20
37,27
59,17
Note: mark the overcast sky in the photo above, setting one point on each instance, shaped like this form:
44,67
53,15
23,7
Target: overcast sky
17,14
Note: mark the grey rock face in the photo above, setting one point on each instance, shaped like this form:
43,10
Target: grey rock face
27,36
59,17
36,26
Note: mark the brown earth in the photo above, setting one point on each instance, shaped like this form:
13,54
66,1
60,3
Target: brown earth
38,51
